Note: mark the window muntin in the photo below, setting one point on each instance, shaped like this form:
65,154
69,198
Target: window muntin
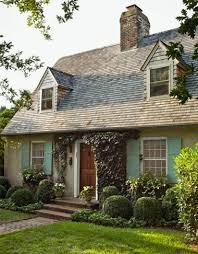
37,155
47,99
159,81
154,157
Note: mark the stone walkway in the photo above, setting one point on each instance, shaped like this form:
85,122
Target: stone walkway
23,224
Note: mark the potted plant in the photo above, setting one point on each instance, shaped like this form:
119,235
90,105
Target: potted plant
87,193
59,189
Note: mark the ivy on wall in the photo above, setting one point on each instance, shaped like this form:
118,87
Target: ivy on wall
110,155
60,154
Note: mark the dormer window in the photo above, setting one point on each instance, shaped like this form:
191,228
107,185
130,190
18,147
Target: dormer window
47,99
159,81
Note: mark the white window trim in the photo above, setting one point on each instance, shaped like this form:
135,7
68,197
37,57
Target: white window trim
142,153
53,99
35,142
148,72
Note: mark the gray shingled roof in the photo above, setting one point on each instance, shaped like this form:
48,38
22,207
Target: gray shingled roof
108,93
62,78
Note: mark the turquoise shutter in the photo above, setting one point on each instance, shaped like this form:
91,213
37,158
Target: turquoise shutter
174,148
48,158
25,155
133,158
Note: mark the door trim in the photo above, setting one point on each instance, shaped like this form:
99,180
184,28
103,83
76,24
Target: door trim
77,170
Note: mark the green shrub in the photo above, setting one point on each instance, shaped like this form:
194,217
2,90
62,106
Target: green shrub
12,190
22,197
100,218
148,209
32,178
169,205
9,205
133,223
82,215
108,191
187,190
2,192
45,191
4,182
147,185
117,206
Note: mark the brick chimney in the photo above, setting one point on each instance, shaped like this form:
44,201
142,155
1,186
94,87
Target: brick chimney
133,26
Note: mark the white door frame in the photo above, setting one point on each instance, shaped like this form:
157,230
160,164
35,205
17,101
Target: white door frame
77,170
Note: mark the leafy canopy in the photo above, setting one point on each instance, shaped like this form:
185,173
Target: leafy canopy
188,26
14,61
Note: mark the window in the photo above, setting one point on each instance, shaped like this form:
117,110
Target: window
159,81
47,99
37,155
154,157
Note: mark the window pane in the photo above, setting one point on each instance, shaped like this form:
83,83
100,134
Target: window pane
47,93
154,154
47,104
37,155
47,97
159,81
157,89
160,74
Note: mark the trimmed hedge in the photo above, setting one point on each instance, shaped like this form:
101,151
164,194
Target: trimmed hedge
107,192
12,190
22,197
118,206
4,182
45,191
2,192
148,209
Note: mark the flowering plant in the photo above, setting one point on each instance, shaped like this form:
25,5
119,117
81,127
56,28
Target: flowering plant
59,189
87,193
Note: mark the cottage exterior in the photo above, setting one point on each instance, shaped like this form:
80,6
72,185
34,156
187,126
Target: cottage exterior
124,87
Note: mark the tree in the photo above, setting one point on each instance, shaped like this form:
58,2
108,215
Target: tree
188,26
14,61
5,116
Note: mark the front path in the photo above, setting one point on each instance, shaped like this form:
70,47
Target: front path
23,224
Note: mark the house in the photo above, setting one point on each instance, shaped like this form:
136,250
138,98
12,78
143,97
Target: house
115,89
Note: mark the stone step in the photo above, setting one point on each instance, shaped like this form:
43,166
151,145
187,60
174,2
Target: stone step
70,203
60,208
53,214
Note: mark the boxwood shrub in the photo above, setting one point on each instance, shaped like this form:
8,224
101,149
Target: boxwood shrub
22,197
2,192
117,206
45,191
148,209
4,182
108,191
12,190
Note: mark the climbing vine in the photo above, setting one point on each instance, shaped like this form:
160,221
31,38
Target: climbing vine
60,154
110,155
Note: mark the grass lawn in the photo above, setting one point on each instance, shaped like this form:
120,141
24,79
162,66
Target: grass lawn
77,238
7,216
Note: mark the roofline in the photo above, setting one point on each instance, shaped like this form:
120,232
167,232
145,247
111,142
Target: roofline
121,129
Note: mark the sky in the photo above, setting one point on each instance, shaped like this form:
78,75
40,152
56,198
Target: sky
95,25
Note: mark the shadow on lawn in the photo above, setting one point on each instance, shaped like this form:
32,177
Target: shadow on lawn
77,238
